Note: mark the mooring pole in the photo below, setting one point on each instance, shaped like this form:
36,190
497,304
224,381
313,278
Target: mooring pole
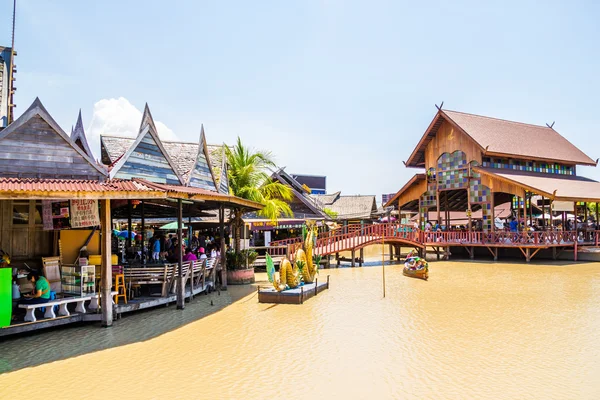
383,262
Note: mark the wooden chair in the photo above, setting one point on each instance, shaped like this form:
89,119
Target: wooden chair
51,270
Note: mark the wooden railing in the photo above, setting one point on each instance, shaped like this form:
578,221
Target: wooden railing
355,236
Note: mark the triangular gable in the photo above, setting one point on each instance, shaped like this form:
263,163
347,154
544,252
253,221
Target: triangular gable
147,157
310,203
224,179
78,137
202,175
36,146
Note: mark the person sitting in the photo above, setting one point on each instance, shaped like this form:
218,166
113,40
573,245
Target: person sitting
41,291
202,254
189,255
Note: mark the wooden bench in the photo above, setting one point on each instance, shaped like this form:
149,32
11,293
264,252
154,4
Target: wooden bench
95,300
61,303
159,275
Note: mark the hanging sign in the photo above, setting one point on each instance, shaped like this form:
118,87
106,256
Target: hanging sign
55,215
84,213
47,215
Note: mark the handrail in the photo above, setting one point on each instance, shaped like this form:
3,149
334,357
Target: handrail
359,236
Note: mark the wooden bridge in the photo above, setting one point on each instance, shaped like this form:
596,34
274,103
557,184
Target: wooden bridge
356,237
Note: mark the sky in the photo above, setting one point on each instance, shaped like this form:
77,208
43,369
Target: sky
339,88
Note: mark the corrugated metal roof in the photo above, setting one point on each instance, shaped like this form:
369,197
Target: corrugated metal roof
507,137
70,185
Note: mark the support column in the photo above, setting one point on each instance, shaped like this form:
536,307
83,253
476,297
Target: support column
180,287
392,252
493,214
543,213
525,210
353,257
106,273
144,250
129,230
223,255
361,255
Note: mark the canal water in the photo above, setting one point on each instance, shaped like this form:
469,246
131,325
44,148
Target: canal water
474,330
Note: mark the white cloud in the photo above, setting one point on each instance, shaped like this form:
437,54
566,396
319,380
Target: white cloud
119,117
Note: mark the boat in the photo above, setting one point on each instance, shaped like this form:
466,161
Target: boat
416,267
416,273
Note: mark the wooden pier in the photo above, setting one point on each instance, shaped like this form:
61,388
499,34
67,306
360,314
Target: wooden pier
292,296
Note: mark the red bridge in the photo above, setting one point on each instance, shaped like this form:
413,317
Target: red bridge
356,237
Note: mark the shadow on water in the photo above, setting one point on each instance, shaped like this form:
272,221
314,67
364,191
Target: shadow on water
68,341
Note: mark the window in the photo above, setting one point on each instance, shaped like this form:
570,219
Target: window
20,213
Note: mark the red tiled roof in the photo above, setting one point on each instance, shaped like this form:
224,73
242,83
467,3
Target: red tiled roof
70,185
208,194
504,138
518,139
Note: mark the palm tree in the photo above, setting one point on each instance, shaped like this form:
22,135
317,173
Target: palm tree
249,179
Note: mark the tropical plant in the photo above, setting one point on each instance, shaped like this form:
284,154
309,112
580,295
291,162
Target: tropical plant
240,259
249,179
330,213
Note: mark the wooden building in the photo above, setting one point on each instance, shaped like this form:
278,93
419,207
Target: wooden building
472,162
41,162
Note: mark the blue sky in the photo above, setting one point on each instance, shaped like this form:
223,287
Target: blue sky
338,88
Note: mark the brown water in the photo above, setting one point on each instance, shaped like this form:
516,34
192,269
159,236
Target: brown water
474,330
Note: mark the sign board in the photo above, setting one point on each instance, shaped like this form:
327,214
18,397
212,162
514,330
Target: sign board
563,206
55,215
84,213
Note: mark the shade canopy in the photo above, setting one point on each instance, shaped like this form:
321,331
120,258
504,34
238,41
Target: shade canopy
172,226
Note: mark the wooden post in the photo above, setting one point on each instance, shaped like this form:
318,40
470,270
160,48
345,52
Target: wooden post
420,216
361,255
128,240
145,251
106,273
180,288
530,209
493,216
543,213
223,255
524,210
353,257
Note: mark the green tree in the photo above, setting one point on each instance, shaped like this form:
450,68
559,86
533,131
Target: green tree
332,214
249,179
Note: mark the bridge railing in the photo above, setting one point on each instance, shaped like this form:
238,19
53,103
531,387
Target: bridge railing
511,238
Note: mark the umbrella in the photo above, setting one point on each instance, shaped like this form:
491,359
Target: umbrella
172,226
124,234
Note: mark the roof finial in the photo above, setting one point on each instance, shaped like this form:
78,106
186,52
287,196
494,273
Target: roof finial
440,107
551,125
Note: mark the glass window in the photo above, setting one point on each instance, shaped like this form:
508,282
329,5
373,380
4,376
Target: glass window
20,213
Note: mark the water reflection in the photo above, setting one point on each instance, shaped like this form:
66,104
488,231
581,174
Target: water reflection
474,330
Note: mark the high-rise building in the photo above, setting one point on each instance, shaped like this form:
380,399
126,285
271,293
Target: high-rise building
7,88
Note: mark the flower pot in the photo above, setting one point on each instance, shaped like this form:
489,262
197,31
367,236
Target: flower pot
240,276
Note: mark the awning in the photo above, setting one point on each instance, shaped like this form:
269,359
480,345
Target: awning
556,187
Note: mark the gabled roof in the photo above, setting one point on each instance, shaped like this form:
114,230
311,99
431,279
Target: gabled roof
147,157
78,137
201,174
31,136
301,195
351,207
182,153
414,180
223,181
498,137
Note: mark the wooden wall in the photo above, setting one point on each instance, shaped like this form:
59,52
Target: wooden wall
25,241
37,150
448,140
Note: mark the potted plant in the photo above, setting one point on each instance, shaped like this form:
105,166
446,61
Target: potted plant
240,267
